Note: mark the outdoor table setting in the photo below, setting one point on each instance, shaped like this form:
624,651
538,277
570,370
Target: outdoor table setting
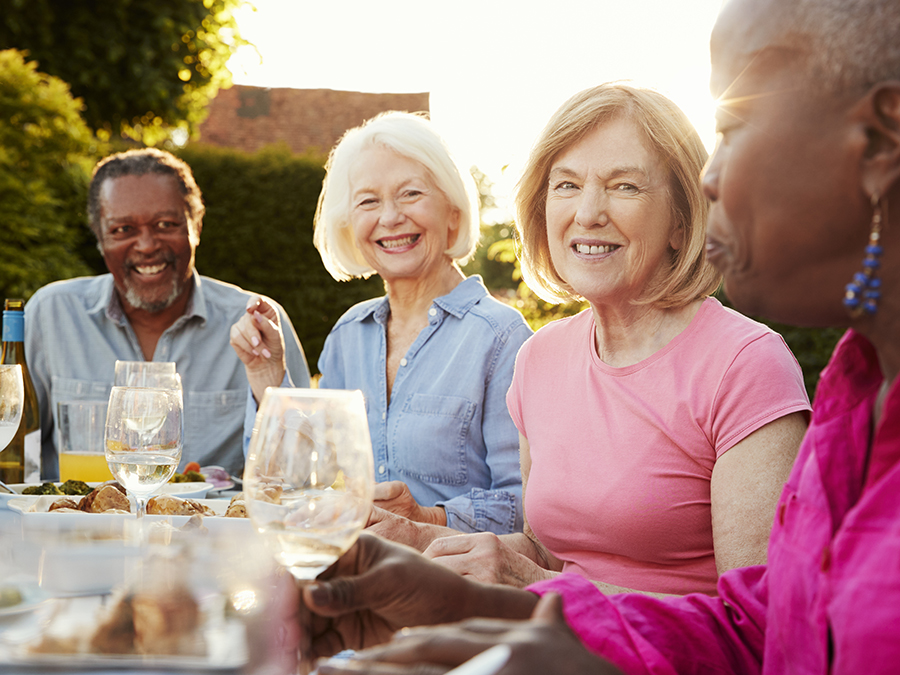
154,576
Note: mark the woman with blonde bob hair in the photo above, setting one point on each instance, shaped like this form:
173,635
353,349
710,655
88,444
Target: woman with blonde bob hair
656,427
434,357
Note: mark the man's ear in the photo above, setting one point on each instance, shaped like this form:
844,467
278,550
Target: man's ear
881,162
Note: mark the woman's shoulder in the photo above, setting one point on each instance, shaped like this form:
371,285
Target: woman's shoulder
728,325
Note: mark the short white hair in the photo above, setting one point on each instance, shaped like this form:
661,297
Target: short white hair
855,43
412,136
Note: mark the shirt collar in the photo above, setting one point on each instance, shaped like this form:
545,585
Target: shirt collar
457,302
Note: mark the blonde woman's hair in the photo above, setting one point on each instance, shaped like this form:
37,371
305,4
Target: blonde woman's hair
668,132
412,136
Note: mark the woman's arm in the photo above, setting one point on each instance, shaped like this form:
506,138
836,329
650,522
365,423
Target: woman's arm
746,483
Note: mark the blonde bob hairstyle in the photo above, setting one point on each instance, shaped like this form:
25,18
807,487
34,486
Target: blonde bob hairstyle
669,133
412,136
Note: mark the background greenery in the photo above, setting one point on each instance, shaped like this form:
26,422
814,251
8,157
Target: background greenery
257,232
141,67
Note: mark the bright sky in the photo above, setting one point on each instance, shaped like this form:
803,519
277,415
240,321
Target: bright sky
495,69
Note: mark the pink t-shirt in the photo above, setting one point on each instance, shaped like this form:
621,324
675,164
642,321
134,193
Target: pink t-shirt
622,457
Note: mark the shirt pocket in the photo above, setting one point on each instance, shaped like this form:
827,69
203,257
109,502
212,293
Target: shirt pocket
69,389
428,441
213,426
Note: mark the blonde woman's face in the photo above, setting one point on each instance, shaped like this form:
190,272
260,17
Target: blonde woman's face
609,218
402,222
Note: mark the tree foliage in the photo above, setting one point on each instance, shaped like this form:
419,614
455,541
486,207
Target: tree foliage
142,67
46,152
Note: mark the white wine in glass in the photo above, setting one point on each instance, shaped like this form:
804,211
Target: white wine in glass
12,401
309,477
144,429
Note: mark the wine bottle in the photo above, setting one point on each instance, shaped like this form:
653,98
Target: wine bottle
20,461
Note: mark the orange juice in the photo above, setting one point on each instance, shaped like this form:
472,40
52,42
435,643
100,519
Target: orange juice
87,467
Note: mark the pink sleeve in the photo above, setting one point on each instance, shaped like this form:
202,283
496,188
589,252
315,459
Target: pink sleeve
692,633
749,397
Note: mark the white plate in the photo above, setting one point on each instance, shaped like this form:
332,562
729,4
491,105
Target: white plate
183,490
39,505
226,646
32,598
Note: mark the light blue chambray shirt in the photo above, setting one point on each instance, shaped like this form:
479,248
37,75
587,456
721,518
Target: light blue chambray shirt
446,433
75,330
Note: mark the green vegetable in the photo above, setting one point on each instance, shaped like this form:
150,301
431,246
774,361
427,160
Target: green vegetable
43,489
188,477
75,487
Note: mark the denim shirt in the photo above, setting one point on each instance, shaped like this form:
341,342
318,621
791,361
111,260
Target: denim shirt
446,432
75,330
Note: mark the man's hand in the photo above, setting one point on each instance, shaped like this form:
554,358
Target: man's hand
544,644
259,343
485,557
394,496
378,587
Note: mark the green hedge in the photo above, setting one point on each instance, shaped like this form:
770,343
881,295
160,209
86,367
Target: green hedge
257,234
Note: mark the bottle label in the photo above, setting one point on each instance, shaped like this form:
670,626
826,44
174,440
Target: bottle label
13,326
33,457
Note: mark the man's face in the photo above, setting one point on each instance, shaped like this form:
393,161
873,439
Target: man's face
784,178
145,239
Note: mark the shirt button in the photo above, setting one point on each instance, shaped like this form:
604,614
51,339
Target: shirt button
432,312
403,361
381,469
384,415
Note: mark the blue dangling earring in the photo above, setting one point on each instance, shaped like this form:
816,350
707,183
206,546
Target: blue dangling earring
864,291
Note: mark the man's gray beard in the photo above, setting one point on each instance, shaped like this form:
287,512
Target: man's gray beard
136,301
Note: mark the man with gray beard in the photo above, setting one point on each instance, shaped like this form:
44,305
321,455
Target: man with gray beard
147,214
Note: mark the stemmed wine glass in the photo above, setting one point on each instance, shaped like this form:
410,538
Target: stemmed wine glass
145,374
144,429
12,400
309,477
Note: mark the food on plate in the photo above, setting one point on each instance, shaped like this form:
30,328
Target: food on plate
217,476
269,493
192,466
64,503
170,505
166,622
188,477
237,508
104,499
10,596
75,487
42,489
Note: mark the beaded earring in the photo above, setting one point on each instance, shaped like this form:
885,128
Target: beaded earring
864,291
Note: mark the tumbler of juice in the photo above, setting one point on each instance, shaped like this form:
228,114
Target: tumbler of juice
80,427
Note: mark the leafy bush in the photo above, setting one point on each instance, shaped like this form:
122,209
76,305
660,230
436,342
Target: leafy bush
257,234
46,152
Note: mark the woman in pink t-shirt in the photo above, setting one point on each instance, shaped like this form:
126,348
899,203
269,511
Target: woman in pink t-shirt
658,427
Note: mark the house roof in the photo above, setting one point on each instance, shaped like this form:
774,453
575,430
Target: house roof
308,120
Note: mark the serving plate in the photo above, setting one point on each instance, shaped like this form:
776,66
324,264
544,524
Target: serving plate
184,490
225,639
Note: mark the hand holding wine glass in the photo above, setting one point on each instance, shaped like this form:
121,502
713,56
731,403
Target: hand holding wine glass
144,431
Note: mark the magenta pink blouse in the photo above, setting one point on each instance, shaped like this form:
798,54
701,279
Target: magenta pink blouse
829,599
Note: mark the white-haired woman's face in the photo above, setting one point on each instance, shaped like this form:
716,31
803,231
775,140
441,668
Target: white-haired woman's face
403,223
609,217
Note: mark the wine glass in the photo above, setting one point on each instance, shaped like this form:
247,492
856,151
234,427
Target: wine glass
12,401
147,374
144,429
309,481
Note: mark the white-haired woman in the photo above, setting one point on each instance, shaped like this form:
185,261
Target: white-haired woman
434,357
